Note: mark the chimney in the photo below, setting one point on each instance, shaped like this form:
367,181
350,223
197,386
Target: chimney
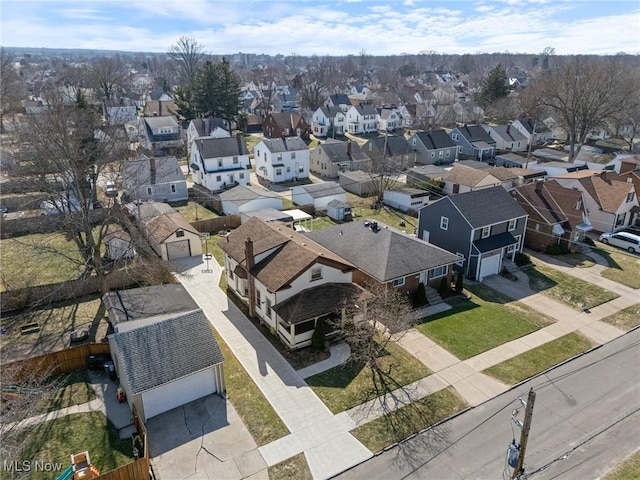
349,148
249,261
539,186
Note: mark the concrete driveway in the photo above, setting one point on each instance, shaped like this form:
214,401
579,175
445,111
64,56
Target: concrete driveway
204,439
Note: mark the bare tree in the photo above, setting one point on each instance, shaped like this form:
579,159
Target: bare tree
312,85
187,55
582,95
11,87
108,76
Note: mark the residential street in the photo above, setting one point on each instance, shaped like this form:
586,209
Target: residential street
591,404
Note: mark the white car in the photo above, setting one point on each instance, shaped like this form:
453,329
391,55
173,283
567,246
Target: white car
110,189
625,240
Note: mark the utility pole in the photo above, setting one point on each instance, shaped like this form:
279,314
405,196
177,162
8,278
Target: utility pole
524,436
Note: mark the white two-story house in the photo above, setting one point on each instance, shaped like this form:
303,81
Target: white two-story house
220,163
328,122
389,119
362,119
285,279
281,159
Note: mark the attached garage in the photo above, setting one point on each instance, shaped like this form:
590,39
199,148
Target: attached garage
168,363
489,266
179,249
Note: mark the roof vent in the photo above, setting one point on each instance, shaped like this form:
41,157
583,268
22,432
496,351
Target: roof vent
304,244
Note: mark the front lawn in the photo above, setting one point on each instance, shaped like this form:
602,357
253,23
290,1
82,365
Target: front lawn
624,267
192,212
408,420
294,468
350,385
566,288
38,259
625,319
54,441
579,260
484,321
627,470
540,358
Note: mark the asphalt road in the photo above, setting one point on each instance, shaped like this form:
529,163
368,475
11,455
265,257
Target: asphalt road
586,418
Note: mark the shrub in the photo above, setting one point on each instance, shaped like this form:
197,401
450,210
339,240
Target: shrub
459,284
521,259
555,250
443,289
317,340
420,297
589,242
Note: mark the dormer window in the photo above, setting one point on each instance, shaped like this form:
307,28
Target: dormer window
316,273
630,196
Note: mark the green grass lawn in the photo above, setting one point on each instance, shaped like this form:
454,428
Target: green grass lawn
625,319
256,413
539,359
350,385
294,468
212,245
251,141
361,208
70,389
192,209
55,440
408,420
565,288
38,259
624,267
576,260
627,470
478,324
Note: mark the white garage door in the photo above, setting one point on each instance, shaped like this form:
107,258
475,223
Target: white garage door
489,266
178,249
177,393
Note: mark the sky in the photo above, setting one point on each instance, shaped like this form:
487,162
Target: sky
327,27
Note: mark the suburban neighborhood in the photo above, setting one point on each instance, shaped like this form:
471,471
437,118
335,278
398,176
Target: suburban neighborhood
243,266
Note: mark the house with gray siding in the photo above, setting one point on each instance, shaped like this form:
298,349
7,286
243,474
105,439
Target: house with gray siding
434,147
473,141
485,226
157,178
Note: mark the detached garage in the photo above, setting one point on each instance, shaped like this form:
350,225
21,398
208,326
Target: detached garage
166,364
171,236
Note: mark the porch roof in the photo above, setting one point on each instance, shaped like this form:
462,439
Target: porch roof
495,242
317,302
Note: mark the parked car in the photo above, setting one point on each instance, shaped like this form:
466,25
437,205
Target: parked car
110,189
625,240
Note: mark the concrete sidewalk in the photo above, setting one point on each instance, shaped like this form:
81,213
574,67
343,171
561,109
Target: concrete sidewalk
328,446
339,354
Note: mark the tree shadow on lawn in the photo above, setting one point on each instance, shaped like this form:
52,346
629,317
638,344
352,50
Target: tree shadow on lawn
608,258
538,281
458,305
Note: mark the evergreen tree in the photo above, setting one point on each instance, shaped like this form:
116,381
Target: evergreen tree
494,87
227,90
459,285
318,337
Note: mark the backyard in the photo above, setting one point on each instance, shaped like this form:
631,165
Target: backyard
481,322
54,441
193,212
565,288
540,358
350,385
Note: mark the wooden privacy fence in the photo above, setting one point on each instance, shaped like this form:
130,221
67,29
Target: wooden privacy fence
136,470
55,363
212,225
45,223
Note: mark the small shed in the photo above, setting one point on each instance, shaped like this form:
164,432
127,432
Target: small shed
405,199
340,211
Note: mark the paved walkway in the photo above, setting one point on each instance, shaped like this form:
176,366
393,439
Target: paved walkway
339,354
323,437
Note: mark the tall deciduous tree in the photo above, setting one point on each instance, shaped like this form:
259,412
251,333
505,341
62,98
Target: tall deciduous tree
187,55
582,95
11,86
108,75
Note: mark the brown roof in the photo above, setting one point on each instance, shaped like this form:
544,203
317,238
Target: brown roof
116,231
577,173
465,175
502,173
553,202
607,192
291,253
163,226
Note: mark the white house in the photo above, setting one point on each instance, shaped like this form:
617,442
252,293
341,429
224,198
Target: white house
288,281
206,127
220,163
328,122
405,199
389,119
166,364
362,119
281,159
242,199
318,194
535,131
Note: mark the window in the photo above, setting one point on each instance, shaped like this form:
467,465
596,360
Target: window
219,163
448,153
230,270
486,231
620,219
268,309
173,189
149,191
218,178
258,300
413,141
441,154
278,171
398,282
235,160
304,327
579,205
241,175
438,272
279,157
293,155
180,233
300,168
444,223
460,149
316,273
433,154
288,169
629,197
512,224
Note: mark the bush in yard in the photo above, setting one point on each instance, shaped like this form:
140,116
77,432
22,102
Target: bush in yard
589,242
459,284
317,340
420,297
556,250
521,259
443,289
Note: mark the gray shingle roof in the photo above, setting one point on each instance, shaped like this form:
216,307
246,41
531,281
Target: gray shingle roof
287,144
138,172
366,109
385,254
156,354
486,207
241,194
336,151
164,121
340,99
396,145
221,147
475,133
330,112
325,189
436,139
